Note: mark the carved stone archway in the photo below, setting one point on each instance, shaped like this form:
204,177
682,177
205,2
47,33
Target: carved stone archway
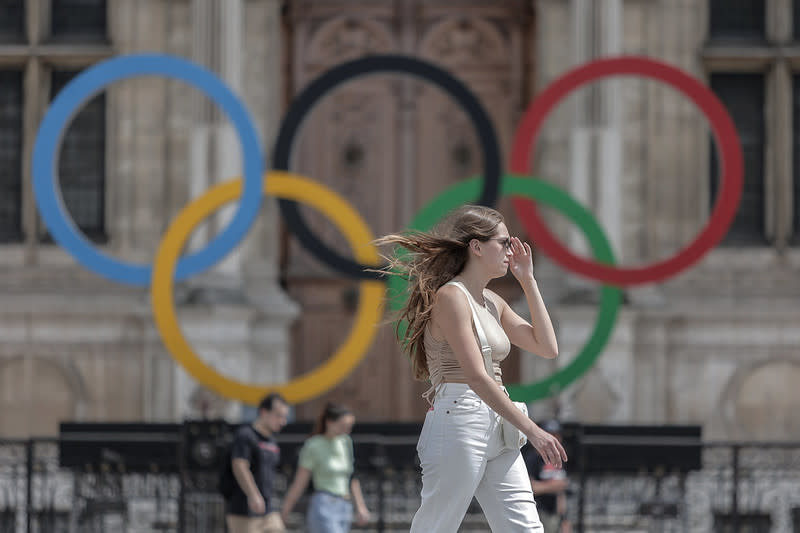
36,393
758,402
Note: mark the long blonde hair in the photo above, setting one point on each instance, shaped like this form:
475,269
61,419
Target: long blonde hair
431,260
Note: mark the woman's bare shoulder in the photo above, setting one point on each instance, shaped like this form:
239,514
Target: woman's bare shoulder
449,293
449,299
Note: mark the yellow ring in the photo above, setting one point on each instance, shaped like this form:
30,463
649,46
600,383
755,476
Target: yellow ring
349,354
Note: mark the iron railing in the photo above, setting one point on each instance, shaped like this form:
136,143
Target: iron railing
740,488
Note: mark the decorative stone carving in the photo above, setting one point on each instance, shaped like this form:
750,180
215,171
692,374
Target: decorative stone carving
461,149
465,40
206,404
353,114
347,38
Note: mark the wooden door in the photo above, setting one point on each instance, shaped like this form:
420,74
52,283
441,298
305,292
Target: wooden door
389,144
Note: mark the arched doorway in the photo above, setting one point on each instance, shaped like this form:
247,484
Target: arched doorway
35,395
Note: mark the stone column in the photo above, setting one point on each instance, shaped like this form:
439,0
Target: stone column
241,325
227,148
263,89
216,153
778,177
581,150
609,149
595,139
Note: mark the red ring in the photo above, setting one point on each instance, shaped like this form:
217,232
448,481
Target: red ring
726,138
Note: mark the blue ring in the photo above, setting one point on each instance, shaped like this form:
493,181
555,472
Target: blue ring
47,146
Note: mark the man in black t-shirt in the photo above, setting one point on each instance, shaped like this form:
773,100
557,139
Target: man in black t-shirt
254,457
549,485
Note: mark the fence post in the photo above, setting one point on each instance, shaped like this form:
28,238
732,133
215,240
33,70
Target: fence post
29,486
381,500
735,493
582,477
380,464
181,503
182,473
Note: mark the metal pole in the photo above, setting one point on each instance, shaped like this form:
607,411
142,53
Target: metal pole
735,494
684,509
182,473
380,463
381,501
29,487
659,504
583,477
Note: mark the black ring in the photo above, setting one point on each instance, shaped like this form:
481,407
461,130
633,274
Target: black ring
368,65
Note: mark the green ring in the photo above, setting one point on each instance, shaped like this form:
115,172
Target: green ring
541,191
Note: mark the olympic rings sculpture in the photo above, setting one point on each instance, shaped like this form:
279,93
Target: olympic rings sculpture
291,188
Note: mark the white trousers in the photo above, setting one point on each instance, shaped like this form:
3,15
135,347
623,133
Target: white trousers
462,455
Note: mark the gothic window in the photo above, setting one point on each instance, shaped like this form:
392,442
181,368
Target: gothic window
12,23
738,19
81,165
10,156
754,68
43,44
796,159
743,96
78,19
796,20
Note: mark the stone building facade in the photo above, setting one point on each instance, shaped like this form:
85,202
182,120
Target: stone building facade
75,346
717,345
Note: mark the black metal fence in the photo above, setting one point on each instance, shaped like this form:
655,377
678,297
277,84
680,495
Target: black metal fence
738,487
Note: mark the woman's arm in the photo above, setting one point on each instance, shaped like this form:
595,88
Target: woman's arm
538,335
362,513
453,317
301,479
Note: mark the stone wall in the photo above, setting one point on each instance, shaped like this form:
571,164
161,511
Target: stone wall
716,345
77,347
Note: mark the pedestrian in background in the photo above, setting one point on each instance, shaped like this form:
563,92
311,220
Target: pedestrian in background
327,460
254,457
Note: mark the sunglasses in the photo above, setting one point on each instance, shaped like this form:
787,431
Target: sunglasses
504,241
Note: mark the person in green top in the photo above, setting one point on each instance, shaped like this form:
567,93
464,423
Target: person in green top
327,460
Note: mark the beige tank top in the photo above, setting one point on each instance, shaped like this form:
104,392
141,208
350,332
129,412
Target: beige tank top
442,363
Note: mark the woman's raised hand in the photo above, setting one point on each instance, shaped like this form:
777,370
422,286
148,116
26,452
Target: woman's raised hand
521,259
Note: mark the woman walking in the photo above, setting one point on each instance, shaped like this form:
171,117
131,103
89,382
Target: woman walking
327,460
458,333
